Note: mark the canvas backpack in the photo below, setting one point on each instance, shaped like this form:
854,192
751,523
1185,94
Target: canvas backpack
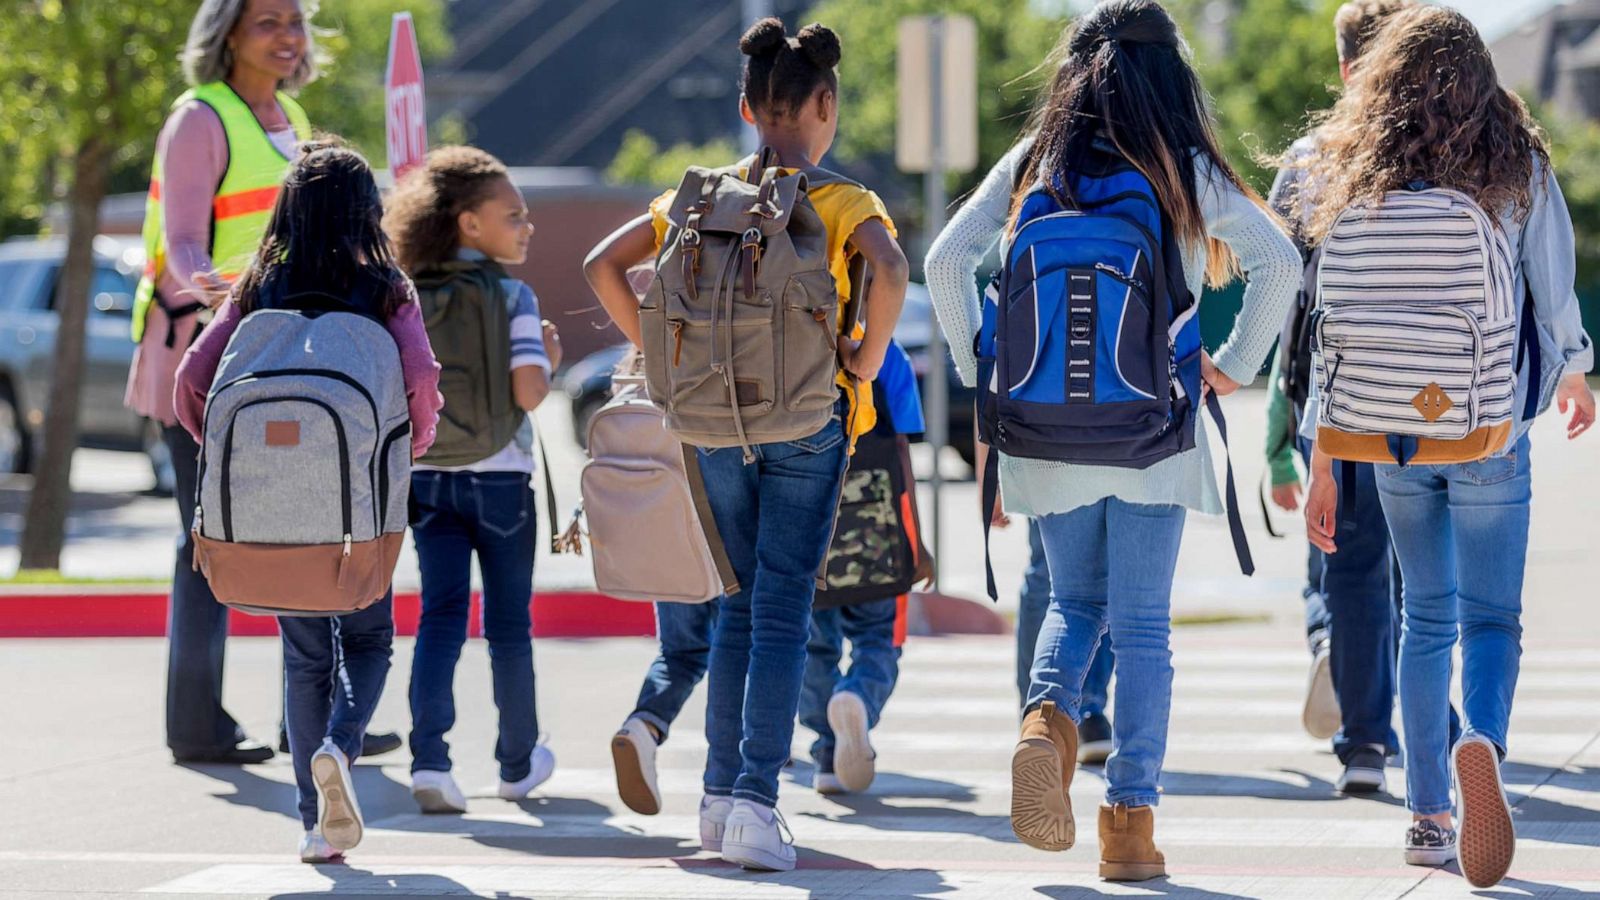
1089,349
877,550
464,309
741,321
644,526
305,462
1415,331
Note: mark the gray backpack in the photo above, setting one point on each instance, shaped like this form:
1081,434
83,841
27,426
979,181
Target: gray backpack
305,465
741,322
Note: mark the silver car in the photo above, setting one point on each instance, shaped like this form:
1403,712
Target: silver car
29,271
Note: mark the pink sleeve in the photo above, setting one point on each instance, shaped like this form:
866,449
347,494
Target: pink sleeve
194,157
421,372
199,368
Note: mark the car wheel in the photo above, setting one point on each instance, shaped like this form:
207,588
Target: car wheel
15,447
155,449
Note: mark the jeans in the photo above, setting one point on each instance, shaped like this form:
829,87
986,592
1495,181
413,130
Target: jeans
1461,532
1034,601
454,515
775,516
684,632
355,650
1111,565
197,629
874,667
1351,590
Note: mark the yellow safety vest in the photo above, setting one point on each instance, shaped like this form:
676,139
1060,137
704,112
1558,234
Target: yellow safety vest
243,202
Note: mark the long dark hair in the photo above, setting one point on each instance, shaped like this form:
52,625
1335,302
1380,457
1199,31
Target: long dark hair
325,235
1425,104
1122,73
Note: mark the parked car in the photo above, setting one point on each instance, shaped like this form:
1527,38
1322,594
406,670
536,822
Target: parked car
29,272
588,381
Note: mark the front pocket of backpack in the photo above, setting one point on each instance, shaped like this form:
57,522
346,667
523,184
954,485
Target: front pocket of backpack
285,474
867,532
1390,369
810,363
1130,346
707,350
644,534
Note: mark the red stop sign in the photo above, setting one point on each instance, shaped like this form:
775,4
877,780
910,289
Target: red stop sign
404,114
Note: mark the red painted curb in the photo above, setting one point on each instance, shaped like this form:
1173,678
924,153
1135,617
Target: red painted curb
564,614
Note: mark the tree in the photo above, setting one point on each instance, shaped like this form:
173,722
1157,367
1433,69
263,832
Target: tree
640,160
1575,156
95,76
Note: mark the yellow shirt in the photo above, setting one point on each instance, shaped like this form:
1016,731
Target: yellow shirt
843,208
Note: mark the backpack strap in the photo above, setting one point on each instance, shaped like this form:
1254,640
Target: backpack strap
708,522
1241,544
1528,350
990,493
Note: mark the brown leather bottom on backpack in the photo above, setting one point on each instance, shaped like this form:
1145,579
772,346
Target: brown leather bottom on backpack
1374,448
299,579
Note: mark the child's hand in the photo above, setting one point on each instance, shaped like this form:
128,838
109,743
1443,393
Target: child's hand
859,360
1286,496
1574,394
1214,379
552,344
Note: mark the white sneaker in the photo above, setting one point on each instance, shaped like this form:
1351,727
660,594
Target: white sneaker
1320,716
758,838
315,849
340,822
827,783
853,757
542,764
633,755
437,792
713,820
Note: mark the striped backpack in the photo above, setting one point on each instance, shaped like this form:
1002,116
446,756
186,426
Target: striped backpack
1415,331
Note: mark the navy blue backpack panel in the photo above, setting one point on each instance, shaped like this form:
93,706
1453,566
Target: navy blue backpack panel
1089,349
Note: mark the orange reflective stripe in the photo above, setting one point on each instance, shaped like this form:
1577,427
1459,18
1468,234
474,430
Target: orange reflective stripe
155,191
243,203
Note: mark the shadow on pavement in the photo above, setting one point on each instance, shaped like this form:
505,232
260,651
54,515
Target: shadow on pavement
871,812
892,784
1205,784
349,880
1517,887
379,795
1160,887
809,874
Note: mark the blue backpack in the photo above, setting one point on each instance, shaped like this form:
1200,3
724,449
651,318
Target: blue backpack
1089,350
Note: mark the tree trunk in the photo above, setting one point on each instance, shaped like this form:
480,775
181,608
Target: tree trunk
45,528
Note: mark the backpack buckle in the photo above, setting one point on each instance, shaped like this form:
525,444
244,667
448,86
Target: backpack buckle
752,237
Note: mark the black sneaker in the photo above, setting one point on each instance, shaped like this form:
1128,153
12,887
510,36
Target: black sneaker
375,743
1094,740
1430,844
1363,771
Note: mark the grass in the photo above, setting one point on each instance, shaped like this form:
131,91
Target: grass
52,577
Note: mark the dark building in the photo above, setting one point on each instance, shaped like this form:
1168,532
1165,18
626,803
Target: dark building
559,82
1554,58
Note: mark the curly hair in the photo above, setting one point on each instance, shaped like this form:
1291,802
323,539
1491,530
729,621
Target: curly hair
1425,105
424,210
1357,22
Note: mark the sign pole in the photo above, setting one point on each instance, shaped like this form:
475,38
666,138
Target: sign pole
936,385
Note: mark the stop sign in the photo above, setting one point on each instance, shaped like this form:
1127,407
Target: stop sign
404,115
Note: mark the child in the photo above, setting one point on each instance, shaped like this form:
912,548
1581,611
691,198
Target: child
843,710
455,221
1123,96
325,237
1425,108
775,513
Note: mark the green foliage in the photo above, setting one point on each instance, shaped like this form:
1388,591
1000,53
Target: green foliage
1014,37
348,99
640,160
1267,65
98,70
1575,155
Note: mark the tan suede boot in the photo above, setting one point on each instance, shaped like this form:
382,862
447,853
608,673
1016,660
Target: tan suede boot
1127,844
1041,775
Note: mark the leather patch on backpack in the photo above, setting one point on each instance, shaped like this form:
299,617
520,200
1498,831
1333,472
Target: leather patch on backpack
1432,402
283,434
748,392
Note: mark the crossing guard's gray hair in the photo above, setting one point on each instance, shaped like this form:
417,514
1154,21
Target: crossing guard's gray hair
206,56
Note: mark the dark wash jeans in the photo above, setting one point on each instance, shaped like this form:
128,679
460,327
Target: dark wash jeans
775,516
874,667
684,632
318,652
454,515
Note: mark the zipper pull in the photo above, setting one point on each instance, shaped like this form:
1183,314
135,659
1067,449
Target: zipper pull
343,562
347,546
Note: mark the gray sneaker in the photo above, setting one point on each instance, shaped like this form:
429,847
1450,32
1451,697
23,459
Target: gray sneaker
1363,772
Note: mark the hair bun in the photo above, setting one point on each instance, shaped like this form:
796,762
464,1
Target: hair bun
764,37
820,45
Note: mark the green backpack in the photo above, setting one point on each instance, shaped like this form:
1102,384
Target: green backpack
464,309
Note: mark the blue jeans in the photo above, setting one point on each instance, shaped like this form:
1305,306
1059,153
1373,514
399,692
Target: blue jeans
775,516
1034,601
1351,590
355,650
1461,532
454,515
684,632
1111,565
874,667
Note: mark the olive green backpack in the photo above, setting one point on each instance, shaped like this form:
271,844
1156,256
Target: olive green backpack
464,309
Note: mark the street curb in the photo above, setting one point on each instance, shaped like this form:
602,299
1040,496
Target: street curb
108,611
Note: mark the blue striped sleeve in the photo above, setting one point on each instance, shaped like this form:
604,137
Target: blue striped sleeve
527,329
